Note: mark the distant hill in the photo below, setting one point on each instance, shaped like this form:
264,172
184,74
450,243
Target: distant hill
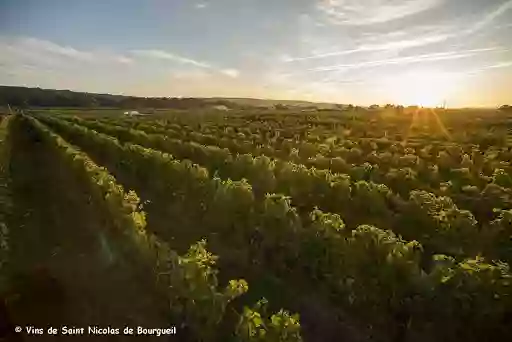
271,103
37,97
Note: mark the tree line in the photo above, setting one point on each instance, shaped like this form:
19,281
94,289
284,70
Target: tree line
23,97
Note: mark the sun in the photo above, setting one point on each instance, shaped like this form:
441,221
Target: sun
421,88
420,94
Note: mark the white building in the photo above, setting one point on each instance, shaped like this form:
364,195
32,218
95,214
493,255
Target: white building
221,107
133,112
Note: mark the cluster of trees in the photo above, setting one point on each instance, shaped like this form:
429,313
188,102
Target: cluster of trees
23,97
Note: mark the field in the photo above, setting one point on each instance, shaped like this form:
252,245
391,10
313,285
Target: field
260,225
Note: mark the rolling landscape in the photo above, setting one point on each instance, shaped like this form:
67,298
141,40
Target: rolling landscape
346,176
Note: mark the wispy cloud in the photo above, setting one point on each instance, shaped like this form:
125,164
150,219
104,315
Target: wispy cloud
387,40
23,50
432,57
164,55
124,60
391,45
201,5
193,75
483,69
500,65
369,12
50,47
490,17
231,72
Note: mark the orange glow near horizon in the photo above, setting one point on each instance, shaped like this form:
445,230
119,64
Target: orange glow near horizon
426,89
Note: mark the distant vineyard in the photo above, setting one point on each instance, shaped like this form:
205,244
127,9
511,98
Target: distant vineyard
374,228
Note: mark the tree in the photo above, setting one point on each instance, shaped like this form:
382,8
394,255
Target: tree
37,97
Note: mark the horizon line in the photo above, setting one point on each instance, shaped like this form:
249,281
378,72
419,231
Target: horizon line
440,105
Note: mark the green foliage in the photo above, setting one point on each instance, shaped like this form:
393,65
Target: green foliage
501,231
278,203
439,224
402,173
255,325
193,284
501,178
190,281
5,197
470,293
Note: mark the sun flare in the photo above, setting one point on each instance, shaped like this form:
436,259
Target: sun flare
427,89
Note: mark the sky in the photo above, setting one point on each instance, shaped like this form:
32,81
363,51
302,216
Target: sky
344,51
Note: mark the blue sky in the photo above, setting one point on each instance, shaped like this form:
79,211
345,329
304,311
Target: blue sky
345,51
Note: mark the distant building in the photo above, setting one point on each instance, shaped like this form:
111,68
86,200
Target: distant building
221,107
308,110
133,113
